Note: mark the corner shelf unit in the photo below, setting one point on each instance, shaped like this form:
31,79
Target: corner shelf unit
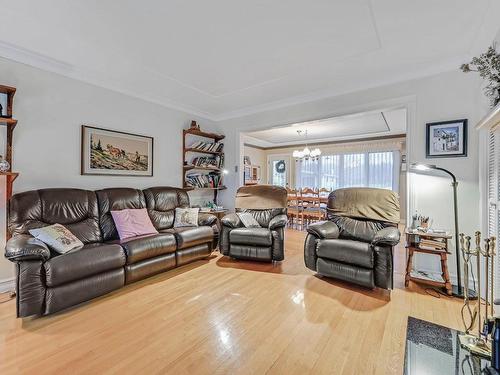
10,123
189,152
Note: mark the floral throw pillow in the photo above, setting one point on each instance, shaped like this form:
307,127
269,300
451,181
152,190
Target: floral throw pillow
186,217
57,237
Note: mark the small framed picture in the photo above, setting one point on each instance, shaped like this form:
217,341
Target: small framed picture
446,139
111,152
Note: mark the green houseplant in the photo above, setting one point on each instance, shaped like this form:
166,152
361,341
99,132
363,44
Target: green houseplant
488,67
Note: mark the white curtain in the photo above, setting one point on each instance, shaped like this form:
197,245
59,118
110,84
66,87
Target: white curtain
378,169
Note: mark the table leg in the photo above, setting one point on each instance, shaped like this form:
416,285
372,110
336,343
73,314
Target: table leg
408,266
445,273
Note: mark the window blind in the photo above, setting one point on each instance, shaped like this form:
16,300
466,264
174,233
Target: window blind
366,169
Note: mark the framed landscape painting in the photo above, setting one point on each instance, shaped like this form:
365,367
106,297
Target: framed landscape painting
446,139
110,152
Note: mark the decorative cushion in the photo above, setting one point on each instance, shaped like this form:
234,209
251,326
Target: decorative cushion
186,217
133,222
57,237
248,220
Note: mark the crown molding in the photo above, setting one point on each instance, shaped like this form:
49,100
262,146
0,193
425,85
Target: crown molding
34,59
40,61
396,137
445,67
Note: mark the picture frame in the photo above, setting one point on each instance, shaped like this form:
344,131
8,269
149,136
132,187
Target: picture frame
446,139
115,153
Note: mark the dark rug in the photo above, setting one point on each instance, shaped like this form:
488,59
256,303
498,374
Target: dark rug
429,334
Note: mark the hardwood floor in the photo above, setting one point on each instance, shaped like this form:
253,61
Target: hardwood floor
226,317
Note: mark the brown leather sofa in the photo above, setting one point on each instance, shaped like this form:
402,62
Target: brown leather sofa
356,243
267,204
48,282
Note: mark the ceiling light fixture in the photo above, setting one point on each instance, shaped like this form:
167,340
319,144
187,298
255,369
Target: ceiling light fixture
306,153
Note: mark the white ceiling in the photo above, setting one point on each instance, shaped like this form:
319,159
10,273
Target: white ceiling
223,58
351,127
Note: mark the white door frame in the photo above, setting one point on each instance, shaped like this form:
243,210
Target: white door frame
409,102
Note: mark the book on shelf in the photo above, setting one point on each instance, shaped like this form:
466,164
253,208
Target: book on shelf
208,161
198,180
208,146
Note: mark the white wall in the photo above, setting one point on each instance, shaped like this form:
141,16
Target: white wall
50,109
446,96
258,157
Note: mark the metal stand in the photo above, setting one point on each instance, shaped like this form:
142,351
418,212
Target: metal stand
478,344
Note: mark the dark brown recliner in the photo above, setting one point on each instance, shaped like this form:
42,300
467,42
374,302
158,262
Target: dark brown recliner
48,282
267,204
356,243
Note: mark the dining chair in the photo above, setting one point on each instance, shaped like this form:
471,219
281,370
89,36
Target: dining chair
323,195
294,208
311,206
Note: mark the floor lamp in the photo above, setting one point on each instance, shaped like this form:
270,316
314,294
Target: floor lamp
458,290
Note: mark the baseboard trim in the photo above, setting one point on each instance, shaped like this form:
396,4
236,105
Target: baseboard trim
7,285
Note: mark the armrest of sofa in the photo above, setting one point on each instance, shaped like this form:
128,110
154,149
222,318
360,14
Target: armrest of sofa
388,236
231,221
26,247
206,219
324,230
278,221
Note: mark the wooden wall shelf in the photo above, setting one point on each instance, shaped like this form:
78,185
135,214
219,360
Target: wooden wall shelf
8,121
190,167
206,188
211,173
217,137
11,125
202,151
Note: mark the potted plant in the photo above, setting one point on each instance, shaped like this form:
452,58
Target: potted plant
488,67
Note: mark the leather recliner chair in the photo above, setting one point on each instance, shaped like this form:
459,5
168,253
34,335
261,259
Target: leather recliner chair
356,242
267,204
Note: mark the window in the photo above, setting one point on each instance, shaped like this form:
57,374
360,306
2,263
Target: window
369,169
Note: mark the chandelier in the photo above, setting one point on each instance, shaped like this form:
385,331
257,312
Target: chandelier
306,153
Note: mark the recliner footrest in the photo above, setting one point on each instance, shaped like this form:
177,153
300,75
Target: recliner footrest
346,272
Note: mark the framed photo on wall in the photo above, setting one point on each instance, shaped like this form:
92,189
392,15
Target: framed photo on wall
111,152
446,139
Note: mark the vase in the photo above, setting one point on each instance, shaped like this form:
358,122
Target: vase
4,165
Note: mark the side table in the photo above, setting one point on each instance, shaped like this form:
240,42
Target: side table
433,244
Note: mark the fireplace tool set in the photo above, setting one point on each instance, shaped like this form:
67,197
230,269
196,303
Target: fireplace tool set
478,343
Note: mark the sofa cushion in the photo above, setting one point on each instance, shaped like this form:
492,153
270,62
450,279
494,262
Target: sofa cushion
90,260
346,251
116,199
251,236
76,209
162,202
133,222
149,246
191,236
57,237
358,230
